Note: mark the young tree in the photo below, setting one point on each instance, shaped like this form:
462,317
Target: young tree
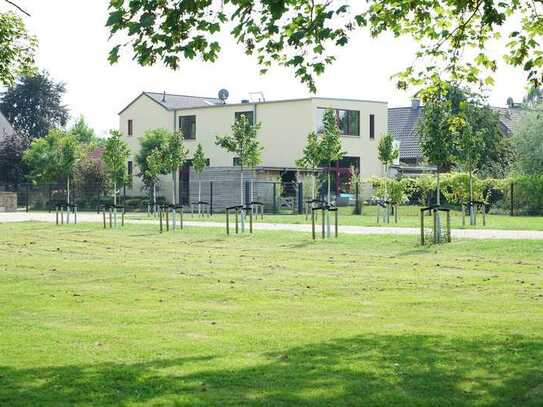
311,159
199,163
17,49
469,150
169,158
387,155
85,134
115,158
149,142
52,158
90,175
330,145
436,138
34,105
244,144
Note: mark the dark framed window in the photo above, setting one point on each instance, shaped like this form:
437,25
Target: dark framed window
236,162
249,115
130,127
187,126
372,127
348,121
130,168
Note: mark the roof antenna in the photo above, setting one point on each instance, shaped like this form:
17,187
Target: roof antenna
164,96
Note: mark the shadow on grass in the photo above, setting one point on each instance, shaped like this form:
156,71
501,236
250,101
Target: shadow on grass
364,370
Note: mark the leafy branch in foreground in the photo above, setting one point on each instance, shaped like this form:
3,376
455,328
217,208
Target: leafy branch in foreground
454,35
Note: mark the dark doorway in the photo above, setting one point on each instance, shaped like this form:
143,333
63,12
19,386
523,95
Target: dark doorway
184,183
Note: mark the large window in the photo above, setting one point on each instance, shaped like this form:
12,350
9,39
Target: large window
348,121
187,126
249,115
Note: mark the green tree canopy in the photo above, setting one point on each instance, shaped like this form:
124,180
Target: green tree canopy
528,142
34,105
84,134
115,158
150,141
454,36
312,155
168,158
199,161
17,49
386,150
53,157
243,142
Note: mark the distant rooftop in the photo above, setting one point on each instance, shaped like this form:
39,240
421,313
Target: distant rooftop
172,102
5,126
402,124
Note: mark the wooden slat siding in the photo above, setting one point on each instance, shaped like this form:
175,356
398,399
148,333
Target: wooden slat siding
226,186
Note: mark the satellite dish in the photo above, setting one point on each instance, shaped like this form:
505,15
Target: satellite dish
223,95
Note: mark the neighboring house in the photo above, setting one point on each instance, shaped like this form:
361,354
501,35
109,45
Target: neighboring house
285,125
403,122
5,127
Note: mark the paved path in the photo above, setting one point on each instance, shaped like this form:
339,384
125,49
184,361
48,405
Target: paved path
357,230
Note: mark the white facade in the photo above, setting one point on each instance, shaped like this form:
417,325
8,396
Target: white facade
283,134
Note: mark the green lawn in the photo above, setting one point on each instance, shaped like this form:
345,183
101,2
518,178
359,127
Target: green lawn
131,317
408,217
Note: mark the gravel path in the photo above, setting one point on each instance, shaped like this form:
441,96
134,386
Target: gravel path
357,230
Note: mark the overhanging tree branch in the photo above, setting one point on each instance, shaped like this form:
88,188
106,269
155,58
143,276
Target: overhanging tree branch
18,7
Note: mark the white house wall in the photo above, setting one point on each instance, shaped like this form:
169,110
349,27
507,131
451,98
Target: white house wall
284,129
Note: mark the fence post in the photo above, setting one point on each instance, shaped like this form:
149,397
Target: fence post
160,217
422,227
323,224
27,195
211,198
313,224
336,230
512,199
227,221
449,226
274,197
300,198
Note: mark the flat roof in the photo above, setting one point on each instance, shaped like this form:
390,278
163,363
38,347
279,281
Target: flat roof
204,102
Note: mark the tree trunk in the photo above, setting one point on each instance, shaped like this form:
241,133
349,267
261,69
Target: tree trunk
471,212
328,181
174,193
314,182
437,219
68,189
114,203
242,212
328,212
199,194
154,197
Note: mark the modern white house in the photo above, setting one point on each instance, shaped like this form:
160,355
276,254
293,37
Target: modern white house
285,125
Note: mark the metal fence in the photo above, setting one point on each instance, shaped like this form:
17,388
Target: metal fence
277,197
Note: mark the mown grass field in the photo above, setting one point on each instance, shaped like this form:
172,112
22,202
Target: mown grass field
131,317
408,217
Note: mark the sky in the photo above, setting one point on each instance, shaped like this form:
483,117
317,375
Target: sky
73,48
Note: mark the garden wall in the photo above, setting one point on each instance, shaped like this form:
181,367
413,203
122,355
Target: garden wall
8,201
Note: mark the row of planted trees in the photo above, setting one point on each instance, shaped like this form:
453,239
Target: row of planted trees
61,157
